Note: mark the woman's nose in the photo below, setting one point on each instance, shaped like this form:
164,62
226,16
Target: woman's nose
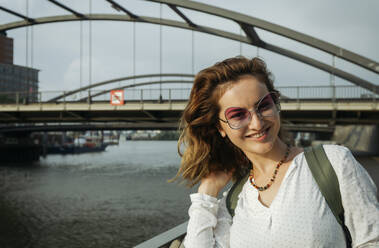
256,122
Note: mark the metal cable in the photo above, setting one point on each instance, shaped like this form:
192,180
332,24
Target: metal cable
160,51
332,79
90,45
27,37
240,42
193,52
81,58
134,50
32,58
27,54
32,46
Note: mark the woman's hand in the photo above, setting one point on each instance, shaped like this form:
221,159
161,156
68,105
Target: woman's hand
214,182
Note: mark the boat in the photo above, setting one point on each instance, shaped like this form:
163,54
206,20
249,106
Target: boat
79,145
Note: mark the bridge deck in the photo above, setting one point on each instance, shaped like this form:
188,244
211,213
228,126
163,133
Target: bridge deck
363,111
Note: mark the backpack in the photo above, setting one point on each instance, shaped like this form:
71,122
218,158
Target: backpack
326,179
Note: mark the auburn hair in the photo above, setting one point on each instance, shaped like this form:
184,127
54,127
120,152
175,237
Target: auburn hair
200,144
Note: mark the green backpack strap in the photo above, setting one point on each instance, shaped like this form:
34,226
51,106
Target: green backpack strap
232,197
327,181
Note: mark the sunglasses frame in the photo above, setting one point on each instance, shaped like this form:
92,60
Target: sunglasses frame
276,103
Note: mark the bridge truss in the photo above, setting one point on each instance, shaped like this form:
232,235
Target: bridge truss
249,36
247,24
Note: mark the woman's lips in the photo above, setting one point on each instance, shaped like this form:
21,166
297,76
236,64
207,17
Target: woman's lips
259,136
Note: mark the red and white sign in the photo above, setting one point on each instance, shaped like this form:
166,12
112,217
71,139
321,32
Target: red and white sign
117,97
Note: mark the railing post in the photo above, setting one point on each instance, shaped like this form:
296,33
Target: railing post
169,97
89,97
297,93
17,97
64,100
25,99
374,96
334,92
298,96
141,98
40,99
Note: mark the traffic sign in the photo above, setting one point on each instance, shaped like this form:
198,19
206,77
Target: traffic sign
117,97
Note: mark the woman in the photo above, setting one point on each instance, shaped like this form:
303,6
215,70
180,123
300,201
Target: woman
232,127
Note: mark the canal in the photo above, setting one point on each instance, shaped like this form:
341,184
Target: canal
117,198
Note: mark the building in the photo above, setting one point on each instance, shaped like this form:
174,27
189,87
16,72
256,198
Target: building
17,83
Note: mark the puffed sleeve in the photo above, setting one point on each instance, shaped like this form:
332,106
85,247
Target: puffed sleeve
358,193
209,222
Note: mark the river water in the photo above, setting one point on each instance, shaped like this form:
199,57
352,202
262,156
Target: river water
116,198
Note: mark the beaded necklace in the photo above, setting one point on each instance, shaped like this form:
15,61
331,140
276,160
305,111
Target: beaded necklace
251,177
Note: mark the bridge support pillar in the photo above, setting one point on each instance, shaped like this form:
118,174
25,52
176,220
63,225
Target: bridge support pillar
19,147
44,144
361,139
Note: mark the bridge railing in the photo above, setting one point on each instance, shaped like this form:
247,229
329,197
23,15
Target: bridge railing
326,92
174,94
94,95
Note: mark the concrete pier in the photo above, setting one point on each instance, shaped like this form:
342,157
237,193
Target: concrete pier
361,139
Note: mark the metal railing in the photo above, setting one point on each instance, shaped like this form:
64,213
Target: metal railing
175,94
89,96
166,239
326,92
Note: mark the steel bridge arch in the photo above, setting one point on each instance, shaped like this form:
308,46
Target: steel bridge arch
118,80
247,23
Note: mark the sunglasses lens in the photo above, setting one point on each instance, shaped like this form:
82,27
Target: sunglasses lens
237,116
266,106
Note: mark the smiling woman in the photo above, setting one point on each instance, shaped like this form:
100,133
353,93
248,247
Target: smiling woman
205,120
232,131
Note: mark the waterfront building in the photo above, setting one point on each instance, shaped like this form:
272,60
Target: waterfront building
17,83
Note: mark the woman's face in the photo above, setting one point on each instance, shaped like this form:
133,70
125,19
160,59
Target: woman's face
258,135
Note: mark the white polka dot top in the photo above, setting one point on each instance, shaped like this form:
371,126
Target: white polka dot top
297,217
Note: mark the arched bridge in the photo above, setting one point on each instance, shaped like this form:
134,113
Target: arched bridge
302,104
247,24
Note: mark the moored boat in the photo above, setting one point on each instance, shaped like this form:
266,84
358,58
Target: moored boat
80,145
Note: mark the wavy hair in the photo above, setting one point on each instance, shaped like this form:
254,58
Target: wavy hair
200,144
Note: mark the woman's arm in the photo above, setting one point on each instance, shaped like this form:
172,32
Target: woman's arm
358,193
209,222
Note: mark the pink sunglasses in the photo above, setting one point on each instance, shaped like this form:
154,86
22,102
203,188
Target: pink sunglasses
267,106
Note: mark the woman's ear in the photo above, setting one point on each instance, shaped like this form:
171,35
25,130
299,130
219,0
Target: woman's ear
221,131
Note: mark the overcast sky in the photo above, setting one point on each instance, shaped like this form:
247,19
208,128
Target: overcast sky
54,48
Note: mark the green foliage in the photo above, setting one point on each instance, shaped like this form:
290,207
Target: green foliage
167,135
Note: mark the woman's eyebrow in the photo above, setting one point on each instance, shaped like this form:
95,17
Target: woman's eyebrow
233,109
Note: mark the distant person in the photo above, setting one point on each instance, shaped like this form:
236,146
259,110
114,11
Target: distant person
232,128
